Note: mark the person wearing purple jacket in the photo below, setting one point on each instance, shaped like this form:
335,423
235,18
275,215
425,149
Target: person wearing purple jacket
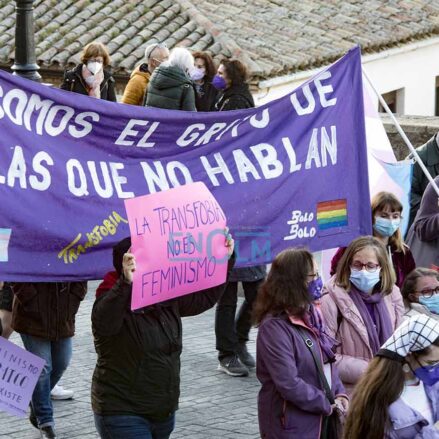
292,402
423,236
398,395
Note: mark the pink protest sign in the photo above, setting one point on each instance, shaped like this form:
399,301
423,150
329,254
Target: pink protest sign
178,241
19,373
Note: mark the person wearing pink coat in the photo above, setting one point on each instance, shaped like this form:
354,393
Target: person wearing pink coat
361,306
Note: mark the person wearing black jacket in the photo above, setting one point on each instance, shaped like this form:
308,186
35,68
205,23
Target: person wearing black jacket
136,382
92,77
202,75
232,332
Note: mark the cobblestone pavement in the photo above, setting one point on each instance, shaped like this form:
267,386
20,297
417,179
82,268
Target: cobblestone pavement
212,404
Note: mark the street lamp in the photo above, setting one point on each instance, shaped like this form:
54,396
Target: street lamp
25,64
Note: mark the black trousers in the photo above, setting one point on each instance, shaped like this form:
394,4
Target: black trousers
230,331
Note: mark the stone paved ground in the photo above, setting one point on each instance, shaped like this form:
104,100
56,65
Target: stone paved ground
212,404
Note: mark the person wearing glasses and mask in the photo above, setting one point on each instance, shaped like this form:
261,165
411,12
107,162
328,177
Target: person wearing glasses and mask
362,306
398,396
386,220
294,352
92,77
421,293
135,90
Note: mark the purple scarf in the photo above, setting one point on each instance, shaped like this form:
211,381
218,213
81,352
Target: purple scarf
375,315
314,320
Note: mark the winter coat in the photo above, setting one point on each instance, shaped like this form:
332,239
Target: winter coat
429,154
403,263
236,97
138,365
6,297
134,93
423,236
171,88
47,309
344,323
73,81
408,423
205,96
291,402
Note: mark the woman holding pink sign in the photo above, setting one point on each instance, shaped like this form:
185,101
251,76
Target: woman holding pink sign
136,382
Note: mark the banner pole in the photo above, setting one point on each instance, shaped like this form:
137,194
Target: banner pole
402,133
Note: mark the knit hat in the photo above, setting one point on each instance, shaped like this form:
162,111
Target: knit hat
416,333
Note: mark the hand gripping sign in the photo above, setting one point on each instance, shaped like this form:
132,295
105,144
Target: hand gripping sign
19,373
177,237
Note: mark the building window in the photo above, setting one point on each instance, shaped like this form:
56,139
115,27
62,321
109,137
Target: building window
395,100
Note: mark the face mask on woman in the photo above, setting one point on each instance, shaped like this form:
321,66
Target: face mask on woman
315,288
432,303
385,226
364,280
429,375
94,66
219,82
196,73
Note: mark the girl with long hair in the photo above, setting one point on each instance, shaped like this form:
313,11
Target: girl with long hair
202,76
386,220
398,395
292,343
361,305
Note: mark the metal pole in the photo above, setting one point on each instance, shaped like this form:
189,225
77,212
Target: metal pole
403,135
25,64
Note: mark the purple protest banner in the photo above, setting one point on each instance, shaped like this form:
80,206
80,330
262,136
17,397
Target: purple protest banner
19,373
291,172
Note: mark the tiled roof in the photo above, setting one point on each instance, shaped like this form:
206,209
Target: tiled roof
274,37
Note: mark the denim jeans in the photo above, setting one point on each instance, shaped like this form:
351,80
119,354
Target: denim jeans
57,355
230,332
133,427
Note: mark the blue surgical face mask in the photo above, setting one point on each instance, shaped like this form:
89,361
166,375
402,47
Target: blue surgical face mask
432,303
219,82
386,227
429,375
315,288
364,280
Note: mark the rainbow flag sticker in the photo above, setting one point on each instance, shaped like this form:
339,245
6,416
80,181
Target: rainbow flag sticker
332,214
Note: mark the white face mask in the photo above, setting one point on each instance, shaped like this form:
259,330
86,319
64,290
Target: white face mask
94,66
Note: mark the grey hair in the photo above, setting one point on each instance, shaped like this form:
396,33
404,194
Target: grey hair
149,49
181,57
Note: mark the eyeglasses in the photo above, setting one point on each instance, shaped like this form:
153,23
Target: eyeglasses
429,292
370,267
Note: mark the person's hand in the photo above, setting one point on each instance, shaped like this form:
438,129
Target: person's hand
342,403
128,266
436,426
230,243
